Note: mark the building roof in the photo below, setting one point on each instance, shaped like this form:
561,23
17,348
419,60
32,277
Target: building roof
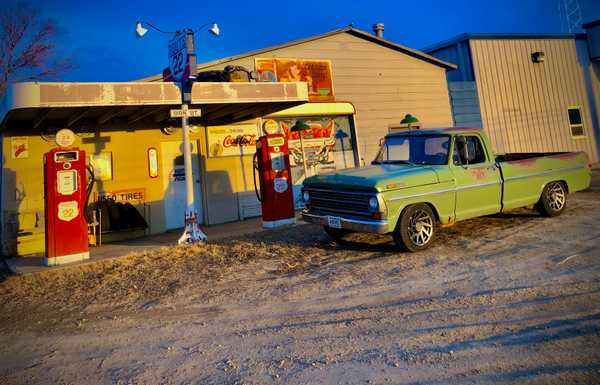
38,104
499,36
349,30
591,24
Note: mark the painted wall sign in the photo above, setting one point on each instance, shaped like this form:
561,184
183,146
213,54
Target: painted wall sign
19,147
133,195
316,73
233,140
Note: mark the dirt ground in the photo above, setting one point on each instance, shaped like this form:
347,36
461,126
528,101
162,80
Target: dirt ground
512,298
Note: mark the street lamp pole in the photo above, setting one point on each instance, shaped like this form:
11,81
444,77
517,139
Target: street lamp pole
182,65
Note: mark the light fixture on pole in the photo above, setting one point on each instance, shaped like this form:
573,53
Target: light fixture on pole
182,64
215,29
140,31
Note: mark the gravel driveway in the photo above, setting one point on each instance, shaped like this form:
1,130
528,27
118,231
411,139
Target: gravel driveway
512,298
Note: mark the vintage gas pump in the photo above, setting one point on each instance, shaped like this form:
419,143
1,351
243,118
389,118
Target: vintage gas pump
65,197
272,163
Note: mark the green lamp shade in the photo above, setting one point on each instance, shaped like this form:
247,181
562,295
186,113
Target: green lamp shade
300,126
409,119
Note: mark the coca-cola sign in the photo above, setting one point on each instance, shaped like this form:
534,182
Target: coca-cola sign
232,140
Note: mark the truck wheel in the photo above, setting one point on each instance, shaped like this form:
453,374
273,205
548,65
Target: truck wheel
416,228
335,233
553,200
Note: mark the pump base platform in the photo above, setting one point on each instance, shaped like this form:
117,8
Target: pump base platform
64,259
279,222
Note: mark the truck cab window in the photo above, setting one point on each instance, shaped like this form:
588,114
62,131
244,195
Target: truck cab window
468,150
414,149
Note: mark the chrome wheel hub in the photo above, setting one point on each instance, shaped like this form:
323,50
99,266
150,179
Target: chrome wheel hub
556,196
420,228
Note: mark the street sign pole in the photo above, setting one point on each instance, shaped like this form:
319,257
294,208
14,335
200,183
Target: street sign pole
182,61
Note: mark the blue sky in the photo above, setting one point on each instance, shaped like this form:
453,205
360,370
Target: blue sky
100,34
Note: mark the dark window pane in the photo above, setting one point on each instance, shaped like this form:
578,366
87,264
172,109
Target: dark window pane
475,151
574,116
577,130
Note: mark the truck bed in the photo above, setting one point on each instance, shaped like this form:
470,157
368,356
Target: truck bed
525,174
524,155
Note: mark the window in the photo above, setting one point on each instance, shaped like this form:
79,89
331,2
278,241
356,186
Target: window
414,149
575,122
468,150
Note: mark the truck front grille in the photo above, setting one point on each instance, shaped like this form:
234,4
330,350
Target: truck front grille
342,203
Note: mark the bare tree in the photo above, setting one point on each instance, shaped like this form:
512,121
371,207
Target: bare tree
27,49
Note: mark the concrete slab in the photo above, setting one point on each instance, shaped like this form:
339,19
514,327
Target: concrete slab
29,265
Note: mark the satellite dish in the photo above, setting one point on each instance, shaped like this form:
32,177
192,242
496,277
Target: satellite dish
139,30
215,29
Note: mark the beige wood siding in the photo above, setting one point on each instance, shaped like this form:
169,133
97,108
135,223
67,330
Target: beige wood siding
383,84
524,104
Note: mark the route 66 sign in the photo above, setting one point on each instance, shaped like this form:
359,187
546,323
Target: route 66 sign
281,185
182,60
68,211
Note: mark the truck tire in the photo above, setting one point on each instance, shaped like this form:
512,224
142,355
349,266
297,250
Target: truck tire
334,233
553,200
416,228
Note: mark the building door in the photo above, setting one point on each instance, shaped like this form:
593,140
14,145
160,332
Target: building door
174,183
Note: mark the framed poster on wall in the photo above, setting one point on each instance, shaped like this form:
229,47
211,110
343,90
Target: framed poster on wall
316,73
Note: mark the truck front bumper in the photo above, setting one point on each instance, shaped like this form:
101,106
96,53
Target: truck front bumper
359,225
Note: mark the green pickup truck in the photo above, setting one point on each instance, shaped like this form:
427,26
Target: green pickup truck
422,179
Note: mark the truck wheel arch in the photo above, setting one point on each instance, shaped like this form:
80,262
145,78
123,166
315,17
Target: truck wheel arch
561,181
431,206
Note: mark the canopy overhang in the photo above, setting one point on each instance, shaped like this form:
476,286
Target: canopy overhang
38,105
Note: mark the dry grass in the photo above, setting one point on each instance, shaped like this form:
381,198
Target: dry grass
126,281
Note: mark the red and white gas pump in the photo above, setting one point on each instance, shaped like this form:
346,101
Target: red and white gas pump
276,189
65,198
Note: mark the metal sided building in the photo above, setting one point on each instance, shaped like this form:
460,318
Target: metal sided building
531,93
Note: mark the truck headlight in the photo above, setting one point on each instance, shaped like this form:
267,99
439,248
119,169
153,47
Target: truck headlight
373,203
305,196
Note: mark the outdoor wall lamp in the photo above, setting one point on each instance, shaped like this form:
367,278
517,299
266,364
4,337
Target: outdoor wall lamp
538,57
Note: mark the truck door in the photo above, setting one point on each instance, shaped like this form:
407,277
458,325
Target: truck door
477,178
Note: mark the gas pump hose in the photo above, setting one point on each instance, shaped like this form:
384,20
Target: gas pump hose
90,186
254,170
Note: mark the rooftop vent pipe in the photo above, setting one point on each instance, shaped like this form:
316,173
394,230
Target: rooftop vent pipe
378,29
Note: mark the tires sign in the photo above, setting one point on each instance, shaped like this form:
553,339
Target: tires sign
181,56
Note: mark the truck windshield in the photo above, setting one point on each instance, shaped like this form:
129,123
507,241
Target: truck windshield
414,149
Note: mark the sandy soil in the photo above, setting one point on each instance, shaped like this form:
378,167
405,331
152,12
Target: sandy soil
512,298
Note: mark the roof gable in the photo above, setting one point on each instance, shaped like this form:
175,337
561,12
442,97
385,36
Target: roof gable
350,30
500,36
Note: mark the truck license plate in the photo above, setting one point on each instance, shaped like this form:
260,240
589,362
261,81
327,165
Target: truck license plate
334,222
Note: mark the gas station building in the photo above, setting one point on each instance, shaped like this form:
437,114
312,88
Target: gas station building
348,86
